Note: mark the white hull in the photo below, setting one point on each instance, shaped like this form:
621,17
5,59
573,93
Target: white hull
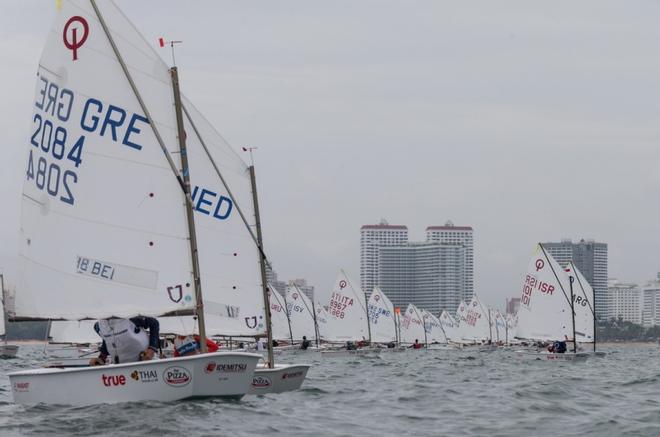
221,374
8,350
547,356
282,378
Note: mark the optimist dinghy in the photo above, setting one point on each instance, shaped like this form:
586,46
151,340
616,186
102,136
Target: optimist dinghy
6,350
547,310
122,176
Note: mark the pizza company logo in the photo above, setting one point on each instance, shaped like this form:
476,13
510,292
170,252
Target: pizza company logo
72,40
210,367
21,387
144,375
177,376
232,368
113,380
292,375
261,382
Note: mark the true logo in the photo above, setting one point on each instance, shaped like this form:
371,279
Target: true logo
113,380
72,40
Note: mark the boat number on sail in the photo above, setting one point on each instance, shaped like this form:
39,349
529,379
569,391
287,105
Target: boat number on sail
55,155
375,312
177,376
532,283
72,40
92,267
116,272
339,304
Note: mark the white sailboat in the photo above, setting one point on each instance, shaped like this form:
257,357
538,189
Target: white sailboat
279,317
583,298
449,326
301,314
321,321
108,217
6,350
461,319
412,326
545,312
434,332
381,317
477,324
347,315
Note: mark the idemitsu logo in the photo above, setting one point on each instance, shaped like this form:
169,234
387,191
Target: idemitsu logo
176,376
261,382
210,367
233,368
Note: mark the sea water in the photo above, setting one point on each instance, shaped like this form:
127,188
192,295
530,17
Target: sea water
416,392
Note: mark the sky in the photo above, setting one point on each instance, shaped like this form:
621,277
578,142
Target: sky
529,121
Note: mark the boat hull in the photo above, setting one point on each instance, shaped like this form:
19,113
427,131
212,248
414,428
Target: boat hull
280,379
219,374
8,351
547,356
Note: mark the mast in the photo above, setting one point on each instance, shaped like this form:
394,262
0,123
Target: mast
570,280
185,171
366,303
490,326
595,324
316,325
262,262
288,317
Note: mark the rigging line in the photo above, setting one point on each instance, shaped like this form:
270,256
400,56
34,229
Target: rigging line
311,313
224,183
348,281
138,96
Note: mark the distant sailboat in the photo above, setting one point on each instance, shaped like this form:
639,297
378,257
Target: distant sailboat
381,317
412,326
6,350
347,314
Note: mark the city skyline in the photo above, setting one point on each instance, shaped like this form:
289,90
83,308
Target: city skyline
353,127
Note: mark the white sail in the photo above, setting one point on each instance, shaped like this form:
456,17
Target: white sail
412,326
4,308
278,315
103,227
300,313
73,332
381,317
544,312
583,298
433,328
347,317
321,321
477,325
449,326
501,330
461,318
228,255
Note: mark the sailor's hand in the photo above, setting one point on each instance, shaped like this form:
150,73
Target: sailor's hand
96,362
147,355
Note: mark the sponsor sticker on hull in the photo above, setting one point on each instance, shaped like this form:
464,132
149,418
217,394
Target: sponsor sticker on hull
261,382
22,387
177,376
292,375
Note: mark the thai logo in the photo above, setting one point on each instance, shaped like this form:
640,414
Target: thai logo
342,284
232,367
539,264
261,382
210,367
292,375
72,40
177,376
144,375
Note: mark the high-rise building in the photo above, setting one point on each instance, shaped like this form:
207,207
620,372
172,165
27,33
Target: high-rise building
512,305
651,304
271,277
624,301
371,238
429,275
590,258
460,236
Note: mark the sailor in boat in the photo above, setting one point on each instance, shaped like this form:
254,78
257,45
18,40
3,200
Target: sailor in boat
416,344
305,343
391,345
558,347
362,343
260,345
126,340
350,346
185,345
